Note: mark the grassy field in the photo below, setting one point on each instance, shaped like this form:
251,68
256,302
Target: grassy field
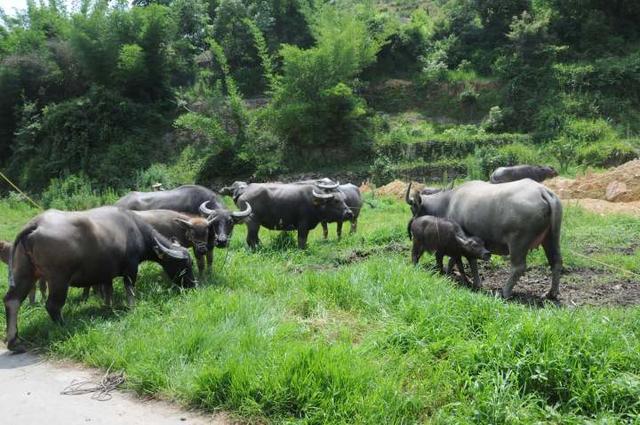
349,332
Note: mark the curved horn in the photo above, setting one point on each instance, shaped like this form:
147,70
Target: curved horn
322,195
242,214
173,253
329,186
406,196
204,210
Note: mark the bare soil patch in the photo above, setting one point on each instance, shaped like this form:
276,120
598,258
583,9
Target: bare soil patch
578,286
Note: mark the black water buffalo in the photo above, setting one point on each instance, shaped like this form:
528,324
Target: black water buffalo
191,199
81,249
446,237
511,218
538,173
353,199
291,206
5,255
188,230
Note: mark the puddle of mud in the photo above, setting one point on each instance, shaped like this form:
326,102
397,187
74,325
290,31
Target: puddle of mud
578,286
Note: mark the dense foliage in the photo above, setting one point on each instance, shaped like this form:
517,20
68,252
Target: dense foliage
258,88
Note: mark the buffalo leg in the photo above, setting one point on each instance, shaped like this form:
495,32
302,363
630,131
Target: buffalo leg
107,291
439,259
303,233
12,300
129,283
210,260
416,252
463,275
473,265
450,265
354,226
325,230
555,262
252,234
339,229
85,294
200,262
518,267
43,288
32,295
56,300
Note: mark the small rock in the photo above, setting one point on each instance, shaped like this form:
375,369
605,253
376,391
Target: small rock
615,190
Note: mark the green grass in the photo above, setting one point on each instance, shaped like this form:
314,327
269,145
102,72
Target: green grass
350,332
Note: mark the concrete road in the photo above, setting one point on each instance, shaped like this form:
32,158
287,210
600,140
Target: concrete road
30,395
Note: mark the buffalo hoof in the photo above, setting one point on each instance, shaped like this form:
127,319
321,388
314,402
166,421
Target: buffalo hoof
552,296
16,347
506,294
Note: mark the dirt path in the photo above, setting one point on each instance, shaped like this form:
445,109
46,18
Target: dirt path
30,395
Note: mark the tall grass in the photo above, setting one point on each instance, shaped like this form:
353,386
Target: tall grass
349,332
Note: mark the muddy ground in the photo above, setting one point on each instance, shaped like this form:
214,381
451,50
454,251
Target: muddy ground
578,286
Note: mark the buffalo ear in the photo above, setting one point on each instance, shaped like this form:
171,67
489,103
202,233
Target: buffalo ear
183,223
464,242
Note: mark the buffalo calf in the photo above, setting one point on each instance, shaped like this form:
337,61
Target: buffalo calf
446,237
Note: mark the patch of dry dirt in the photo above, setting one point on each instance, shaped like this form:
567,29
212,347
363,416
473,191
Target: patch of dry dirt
602,207
578,287
623,183
395,189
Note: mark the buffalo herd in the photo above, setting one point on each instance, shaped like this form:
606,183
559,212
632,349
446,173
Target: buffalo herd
509,216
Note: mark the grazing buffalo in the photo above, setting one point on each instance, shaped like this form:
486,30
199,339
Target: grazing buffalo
5,255
446,237
353,199
191,199
511,219
81,249
538,173
236,189
292,206
188,230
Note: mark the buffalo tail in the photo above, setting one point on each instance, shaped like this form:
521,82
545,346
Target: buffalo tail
19,241
556,215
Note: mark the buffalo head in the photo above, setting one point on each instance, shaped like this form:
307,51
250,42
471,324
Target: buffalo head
175,261
221,222
197,232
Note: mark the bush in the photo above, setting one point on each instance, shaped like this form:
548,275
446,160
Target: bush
606,154
75,193
489,158
314,103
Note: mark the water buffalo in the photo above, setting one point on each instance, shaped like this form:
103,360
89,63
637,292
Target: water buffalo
351,195
511,218
5,255
445,237
188,230
191,199
291,206
81,249
353,199
236,189
538,173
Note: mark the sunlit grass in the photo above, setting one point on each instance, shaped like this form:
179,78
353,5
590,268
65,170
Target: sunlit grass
349,332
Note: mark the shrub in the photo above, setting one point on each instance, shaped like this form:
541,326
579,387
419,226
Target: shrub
606,154
314,103
489,158
75,193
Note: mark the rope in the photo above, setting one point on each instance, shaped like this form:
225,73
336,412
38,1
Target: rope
102,390
604,264
21,192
